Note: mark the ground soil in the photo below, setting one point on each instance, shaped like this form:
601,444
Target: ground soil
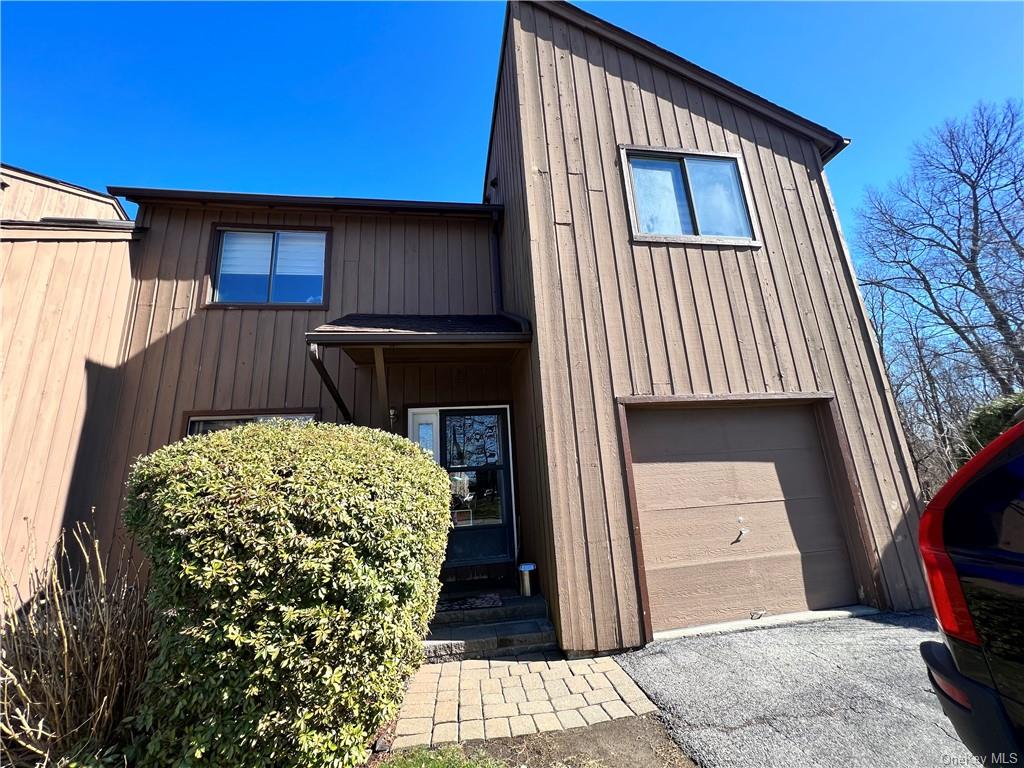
633,742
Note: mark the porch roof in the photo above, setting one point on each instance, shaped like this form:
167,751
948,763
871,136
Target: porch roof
378,340
392,330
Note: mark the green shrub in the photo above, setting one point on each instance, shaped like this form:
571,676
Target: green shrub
294,570
987,422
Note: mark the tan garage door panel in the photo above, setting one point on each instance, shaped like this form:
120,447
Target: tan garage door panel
715,429
703,475
712,592
684,536
730,478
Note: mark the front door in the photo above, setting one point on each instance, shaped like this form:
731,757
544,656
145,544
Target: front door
473,445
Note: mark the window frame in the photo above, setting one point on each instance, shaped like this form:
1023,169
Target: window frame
217,230
241,413
627,151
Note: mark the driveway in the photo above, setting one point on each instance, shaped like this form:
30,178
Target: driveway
847,692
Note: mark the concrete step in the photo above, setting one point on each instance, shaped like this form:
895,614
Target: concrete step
485,641
512,608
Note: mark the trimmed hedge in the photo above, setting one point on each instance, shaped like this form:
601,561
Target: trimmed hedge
294,571
987,422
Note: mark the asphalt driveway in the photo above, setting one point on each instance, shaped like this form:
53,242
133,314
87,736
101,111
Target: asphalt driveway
847,692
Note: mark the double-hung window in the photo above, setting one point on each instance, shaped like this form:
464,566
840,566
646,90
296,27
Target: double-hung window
683,196
270,267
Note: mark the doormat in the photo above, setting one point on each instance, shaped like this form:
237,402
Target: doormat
486,600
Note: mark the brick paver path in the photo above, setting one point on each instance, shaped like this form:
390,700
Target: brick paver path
462,701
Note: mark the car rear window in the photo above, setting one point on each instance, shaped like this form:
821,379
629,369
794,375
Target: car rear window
989,513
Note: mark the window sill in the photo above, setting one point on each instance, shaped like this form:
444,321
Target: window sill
732,242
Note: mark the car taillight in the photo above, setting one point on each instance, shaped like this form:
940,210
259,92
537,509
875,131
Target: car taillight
943,583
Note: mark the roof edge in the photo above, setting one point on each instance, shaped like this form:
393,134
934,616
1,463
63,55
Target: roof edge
55,223
497,94
152,194
349,339
829,142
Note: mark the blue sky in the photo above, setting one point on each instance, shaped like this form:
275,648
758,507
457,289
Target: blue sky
394,99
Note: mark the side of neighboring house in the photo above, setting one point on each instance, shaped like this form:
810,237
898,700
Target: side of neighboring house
643,359
66,289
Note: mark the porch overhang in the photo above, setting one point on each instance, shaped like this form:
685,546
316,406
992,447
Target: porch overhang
378,340
360,330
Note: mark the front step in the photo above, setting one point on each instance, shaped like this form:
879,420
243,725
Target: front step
512,608
511,626
458,642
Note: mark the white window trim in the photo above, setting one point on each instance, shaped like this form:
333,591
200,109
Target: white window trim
433,415
678,153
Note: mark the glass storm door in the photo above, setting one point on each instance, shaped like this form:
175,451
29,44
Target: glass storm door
473,445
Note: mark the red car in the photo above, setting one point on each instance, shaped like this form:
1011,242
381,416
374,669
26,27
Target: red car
972,547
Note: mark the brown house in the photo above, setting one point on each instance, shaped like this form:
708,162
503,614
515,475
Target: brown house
643,357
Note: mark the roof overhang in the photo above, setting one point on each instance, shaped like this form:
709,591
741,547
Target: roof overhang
420,330
356,204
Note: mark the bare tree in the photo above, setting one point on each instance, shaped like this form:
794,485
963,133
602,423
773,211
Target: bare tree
948,238
942,253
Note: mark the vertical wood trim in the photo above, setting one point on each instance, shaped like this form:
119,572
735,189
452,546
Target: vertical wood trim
867,565
380,376
640,568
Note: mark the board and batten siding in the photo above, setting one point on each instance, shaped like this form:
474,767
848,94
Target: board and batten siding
65,303
505,183
617,318
183,357
29,197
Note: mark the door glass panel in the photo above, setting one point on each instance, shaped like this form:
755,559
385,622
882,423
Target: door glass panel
425,436
476,497
473,440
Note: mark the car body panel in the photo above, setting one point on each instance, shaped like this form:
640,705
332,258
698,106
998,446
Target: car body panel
983,535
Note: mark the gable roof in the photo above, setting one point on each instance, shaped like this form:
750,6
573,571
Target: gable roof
828,142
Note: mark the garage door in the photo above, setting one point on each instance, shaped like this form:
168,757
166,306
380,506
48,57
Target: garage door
737,515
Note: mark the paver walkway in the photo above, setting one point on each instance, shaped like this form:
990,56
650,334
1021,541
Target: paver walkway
467,700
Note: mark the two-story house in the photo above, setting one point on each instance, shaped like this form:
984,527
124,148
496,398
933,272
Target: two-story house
643,357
